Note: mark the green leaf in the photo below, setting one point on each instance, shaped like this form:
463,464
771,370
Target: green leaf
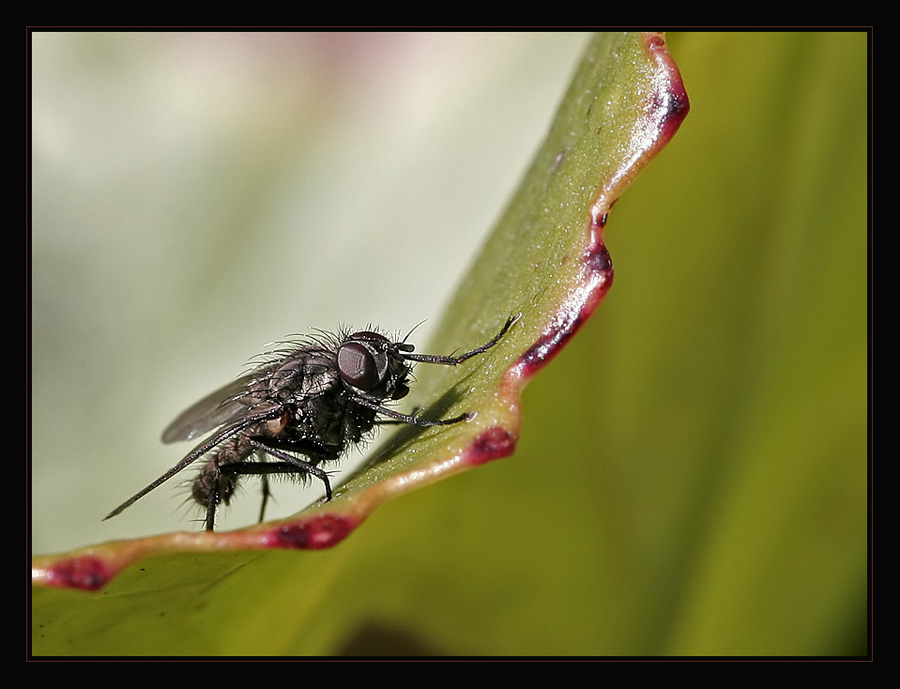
546,263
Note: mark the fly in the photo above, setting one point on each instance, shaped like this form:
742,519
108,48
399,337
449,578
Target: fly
305,406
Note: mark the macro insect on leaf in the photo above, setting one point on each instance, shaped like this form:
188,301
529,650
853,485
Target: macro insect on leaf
304,406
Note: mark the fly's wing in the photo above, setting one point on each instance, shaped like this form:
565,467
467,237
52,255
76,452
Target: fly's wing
227,405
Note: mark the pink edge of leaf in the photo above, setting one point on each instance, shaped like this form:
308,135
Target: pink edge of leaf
672,99
316,533
93,568
493,443
597,278
84,572
667,107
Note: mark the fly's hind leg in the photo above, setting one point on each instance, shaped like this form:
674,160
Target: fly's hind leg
285,449
217,483
229,473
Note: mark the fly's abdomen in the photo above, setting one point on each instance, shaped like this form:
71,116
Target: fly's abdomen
211,481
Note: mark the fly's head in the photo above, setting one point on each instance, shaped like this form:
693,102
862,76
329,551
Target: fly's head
374,367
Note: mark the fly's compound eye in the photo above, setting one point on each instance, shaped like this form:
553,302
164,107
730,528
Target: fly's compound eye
360,365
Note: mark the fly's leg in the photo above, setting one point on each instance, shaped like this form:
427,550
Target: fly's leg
226,475
292,464
266,494
399,417
454,360
229,473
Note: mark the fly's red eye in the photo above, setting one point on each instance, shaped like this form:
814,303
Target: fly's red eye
357,365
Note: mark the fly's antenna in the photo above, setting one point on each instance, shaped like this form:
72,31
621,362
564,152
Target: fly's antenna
403,341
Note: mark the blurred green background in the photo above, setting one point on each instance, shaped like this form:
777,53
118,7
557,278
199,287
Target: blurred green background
692,472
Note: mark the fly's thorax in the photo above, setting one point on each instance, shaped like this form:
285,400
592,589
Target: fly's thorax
308,373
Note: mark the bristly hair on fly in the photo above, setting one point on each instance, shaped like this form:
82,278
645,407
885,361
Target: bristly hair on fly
305,402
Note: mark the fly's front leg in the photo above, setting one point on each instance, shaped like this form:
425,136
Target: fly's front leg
399,417
454,360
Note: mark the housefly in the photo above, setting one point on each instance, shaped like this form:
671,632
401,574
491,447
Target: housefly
304,406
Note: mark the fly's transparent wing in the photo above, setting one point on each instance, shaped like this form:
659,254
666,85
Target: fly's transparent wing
227,405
